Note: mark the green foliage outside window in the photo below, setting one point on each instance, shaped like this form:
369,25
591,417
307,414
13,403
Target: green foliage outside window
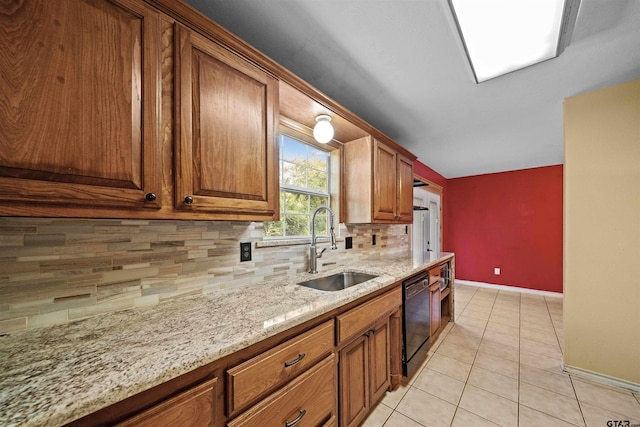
304,185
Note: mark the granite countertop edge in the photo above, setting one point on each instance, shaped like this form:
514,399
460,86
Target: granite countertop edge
52,376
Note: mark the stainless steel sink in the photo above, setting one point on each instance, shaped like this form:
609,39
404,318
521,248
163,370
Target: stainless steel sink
337,282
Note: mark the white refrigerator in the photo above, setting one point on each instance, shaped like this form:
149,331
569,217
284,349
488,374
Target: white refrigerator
420,245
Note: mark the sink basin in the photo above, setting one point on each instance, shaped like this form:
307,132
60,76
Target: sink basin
337,282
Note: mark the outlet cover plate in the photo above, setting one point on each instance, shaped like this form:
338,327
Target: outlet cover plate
245,251
348,242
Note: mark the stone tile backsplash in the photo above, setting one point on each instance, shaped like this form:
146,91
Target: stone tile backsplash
58,270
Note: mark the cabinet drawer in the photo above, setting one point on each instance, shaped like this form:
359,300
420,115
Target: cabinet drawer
194,407
434,275
358,319
274,367
310,399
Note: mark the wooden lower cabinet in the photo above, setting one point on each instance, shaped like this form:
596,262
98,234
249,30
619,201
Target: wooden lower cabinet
364,367
354,382
309,400
434,310
192,408
269,370
435,277
379,372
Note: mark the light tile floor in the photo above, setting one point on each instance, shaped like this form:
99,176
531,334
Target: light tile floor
500,365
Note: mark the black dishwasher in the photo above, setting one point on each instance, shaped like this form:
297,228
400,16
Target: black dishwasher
415,322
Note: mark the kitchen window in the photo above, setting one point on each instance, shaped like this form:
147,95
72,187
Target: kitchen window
306,182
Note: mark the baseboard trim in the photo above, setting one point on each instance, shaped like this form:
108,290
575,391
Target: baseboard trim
601,379
510,288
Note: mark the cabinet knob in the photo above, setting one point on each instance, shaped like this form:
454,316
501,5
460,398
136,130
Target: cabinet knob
150,197
188,200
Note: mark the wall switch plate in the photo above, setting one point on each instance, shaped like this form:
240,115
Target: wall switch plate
245,251
348,242
496,271
373,239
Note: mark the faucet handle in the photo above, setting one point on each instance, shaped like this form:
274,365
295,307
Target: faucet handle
332,236
321,252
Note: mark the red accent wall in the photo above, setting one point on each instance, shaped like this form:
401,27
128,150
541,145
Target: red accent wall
511,220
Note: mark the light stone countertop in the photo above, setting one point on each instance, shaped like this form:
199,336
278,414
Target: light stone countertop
52,376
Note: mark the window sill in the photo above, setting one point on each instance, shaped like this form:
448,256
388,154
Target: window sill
292,242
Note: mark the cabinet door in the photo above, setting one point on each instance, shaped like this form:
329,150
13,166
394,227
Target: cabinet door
434,309
226,153
379,358
79,90
405,189
192,408
384,182
354,382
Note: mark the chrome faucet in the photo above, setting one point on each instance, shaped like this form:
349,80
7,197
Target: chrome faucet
313,257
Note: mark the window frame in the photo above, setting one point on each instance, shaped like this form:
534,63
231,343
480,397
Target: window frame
334,148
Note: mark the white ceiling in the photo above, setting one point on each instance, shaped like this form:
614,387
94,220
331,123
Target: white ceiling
400,65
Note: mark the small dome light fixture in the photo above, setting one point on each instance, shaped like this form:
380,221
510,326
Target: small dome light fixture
323,131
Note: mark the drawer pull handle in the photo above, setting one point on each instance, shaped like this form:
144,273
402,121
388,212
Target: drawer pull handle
297,420
296,360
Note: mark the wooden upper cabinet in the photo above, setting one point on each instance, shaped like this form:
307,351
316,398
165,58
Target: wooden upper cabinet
226,111
385,182
79,110
404,192
378,183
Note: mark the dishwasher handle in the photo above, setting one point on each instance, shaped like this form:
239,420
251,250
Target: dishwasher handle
414,289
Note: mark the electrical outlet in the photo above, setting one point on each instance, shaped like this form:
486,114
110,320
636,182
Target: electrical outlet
373,239
245,251
348,242
496,271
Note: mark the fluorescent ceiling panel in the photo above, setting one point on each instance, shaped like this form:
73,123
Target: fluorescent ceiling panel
501,36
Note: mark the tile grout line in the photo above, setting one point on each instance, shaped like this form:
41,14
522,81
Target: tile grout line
473,362
584,420
534,385
474,358
555,332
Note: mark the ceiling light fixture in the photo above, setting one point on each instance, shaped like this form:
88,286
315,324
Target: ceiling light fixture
501,36
323,131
